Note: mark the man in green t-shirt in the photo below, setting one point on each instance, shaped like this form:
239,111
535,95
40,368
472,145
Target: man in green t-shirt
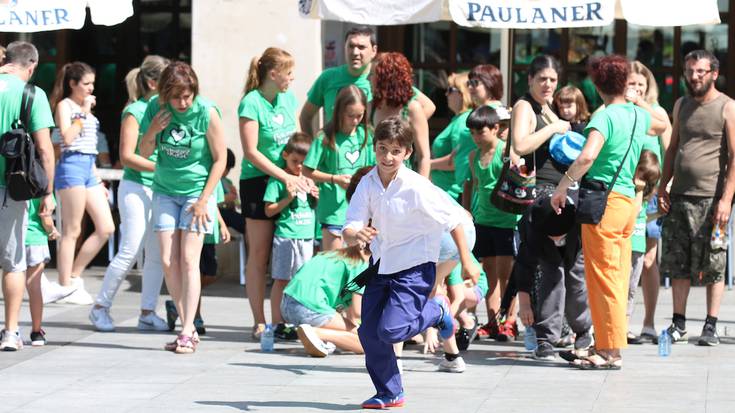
360,49
21,60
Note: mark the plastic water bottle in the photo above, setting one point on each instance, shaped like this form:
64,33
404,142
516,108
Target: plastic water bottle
266,339
529,338
719,238
664,344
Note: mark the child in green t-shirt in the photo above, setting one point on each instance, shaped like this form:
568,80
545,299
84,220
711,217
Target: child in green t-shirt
41,228
334,156
293,241
495,229
646,177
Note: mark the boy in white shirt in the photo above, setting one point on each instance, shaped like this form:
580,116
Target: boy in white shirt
409,215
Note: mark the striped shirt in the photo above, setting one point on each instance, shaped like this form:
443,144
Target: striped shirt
86,141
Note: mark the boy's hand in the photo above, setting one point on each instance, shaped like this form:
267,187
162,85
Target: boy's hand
525,312
470,271
224,232
314,191
342,180
48,225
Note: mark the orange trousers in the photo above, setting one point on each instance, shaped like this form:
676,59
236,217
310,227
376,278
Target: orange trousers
607,262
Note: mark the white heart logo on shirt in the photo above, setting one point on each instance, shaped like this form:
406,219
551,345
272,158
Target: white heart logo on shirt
3,86
177,135
301,196
278,119
353,156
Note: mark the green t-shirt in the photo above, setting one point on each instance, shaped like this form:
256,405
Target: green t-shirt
326,87
615,123
11,94
219,196
352,153
443,145
184,160
276,123
137,110
317,285
483,210
296,221
35,234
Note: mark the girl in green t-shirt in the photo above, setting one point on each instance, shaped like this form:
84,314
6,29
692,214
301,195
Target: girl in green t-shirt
186,131
344,147
135,199
267,115
314,302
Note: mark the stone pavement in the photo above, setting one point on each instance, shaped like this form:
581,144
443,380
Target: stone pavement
126,371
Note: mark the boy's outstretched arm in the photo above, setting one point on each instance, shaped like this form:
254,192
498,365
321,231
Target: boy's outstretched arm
469,269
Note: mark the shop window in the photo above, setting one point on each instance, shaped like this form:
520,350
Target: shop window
588,42
477,46
530,43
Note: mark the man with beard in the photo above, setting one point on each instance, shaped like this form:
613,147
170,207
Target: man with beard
701,161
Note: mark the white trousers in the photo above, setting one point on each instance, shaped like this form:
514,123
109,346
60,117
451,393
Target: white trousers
135,205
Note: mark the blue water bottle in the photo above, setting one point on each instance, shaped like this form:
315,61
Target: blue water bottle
266,339
529,338
664,344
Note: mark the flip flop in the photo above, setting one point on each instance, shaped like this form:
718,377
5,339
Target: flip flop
597,362
572,355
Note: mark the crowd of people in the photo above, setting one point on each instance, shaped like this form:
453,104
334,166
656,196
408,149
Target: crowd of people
375,233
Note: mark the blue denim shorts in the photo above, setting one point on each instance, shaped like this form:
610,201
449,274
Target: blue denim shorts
172,212
296,313
447,247
335,230
75,169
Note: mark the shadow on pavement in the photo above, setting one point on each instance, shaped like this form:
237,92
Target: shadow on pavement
245,405
301,369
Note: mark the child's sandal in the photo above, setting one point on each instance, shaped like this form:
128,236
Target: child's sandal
185,345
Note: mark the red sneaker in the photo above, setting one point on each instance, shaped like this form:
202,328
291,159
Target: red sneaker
489,330
508,331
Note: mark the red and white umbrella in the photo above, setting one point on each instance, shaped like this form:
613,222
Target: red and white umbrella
44,15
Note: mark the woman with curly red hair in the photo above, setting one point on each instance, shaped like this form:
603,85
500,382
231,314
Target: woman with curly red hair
610,155
391,79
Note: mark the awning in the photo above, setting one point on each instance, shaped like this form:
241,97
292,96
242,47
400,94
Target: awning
515,14
44,15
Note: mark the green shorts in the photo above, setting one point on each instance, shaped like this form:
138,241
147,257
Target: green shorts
686,235
455,277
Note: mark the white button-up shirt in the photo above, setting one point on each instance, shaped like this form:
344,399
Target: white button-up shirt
410,215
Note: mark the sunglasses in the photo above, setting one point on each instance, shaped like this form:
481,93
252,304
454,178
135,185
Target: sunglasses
452,89
473,82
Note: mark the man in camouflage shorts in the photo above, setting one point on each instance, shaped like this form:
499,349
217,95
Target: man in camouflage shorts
701,161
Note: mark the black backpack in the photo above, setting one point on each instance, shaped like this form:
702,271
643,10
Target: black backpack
25,177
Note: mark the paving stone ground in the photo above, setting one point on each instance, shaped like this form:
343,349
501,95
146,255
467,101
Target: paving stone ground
127,371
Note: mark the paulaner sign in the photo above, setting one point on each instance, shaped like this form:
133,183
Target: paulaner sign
45,15
532,14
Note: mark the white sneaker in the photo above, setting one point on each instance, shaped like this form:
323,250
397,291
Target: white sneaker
80,296
100,318
53,291
313,345
10,341
152,322
455,366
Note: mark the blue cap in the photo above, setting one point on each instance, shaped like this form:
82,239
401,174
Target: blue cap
565,147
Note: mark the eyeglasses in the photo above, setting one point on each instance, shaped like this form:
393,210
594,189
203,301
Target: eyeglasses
698,72
452,89
473,82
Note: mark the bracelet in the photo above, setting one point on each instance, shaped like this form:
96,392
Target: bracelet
569,177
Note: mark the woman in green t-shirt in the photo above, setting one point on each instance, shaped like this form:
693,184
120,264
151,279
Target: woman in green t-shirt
186,131
393,95
338,152
444,162
135,199
614,136
268,118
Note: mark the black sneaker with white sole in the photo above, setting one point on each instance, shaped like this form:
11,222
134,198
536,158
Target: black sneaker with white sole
677,335
709,336
38,338
544,351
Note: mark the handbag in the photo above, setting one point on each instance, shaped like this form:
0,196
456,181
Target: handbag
593,193
515,189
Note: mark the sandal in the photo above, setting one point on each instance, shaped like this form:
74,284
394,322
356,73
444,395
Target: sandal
572,355
597,362
185,345
171,346
258,330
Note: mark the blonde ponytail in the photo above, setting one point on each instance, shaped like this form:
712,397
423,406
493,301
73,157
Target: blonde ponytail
132,83
273,58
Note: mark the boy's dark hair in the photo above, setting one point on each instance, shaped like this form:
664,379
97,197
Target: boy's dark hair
299,143
362,31
230,159
482,117
649,171
356,177
393,128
